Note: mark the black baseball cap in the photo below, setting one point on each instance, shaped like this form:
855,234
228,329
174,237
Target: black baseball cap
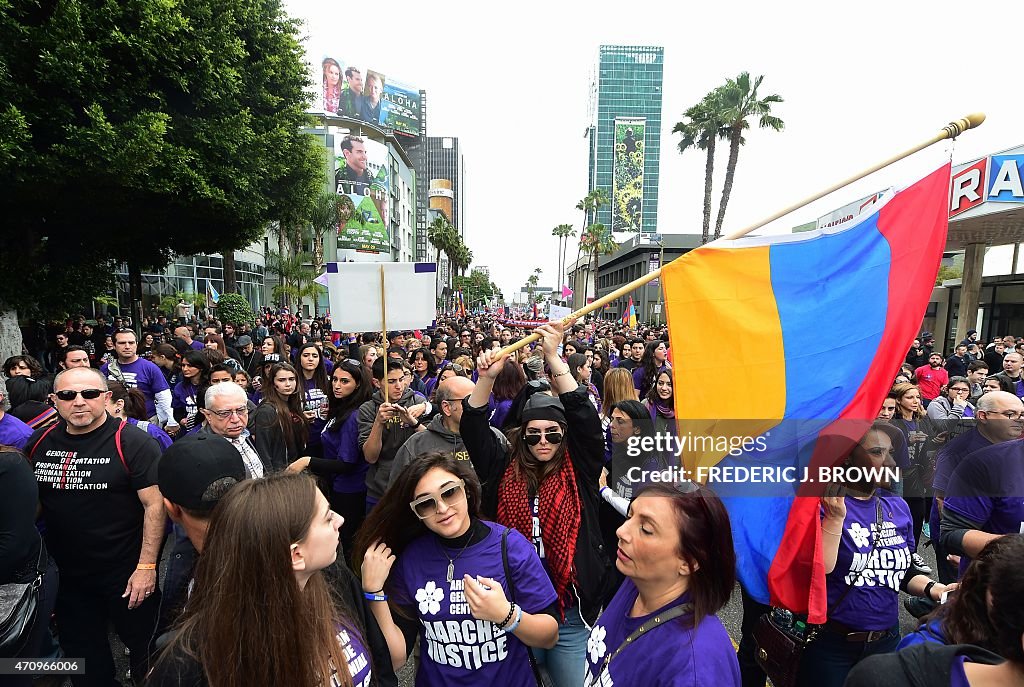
190,465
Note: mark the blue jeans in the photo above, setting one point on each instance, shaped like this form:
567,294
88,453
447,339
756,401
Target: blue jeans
829,658
565,664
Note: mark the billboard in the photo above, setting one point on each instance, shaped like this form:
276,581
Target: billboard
353,90
401,108
628,174
362,174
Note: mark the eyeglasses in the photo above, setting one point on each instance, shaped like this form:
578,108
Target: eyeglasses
87,394
1008,414
225,414
960,390
425,506
553,436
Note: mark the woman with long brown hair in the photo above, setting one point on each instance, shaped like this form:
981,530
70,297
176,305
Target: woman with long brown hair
261,612
544,484
281,409
478,589
924,436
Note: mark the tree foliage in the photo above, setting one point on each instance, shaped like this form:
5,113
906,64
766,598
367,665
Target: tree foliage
476,288
232,307
133,131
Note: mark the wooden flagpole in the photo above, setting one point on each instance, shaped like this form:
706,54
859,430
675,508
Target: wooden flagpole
951,130
384,329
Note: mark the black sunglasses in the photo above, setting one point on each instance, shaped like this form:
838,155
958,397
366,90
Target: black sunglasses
87,394
534,439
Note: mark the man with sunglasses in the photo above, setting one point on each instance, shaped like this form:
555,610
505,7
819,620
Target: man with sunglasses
104,524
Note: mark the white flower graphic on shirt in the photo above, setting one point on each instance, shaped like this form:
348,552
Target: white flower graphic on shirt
861,535
429,598
595,643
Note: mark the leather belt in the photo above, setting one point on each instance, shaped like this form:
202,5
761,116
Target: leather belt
852,635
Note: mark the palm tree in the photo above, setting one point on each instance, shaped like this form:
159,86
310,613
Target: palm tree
442,236
463,258
531,283
330,211
701,128
295,278
591,203
740,103
563,232
597,240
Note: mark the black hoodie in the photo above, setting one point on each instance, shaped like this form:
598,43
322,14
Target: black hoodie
922,665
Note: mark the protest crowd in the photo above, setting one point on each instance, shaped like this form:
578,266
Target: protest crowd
275,503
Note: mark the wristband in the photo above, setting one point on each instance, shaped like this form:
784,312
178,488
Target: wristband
560,374
519,618
146,566
418,423
511,612
375,597
928,589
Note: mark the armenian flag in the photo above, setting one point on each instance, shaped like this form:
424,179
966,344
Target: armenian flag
811,329
629,315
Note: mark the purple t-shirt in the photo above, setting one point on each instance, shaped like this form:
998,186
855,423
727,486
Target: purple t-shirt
873,603
14,432
946,461
343,445
356,656
455,648
673,654
184,397
988,488
501,410
144,376
314,399
957,676
154,431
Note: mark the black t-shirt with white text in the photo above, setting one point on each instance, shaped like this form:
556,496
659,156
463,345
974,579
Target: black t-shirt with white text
89,496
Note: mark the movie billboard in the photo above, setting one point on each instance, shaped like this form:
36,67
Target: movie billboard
628,174
362,174
355,91
401,108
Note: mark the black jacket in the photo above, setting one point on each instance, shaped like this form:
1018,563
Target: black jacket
595,571
268,439
957,366
920,665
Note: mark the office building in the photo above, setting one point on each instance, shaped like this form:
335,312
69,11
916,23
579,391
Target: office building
624,135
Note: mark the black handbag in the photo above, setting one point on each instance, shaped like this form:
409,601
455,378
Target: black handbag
512,593
19,609
780,644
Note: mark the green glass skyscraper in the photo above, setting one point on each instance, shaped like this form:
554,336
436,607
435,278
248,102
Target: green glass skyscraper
624,133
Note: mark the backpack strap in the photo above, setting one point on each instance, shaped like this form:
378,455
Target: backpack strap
32,450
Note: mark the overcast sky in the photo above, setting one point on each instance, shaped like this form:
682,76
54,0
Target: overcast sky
861,81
